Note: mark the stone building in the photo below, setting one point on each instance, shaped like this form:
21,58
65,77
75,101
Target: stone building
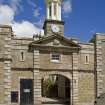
24,62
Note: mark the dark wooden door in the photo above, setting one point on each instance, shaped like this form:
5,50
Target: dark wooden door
26,92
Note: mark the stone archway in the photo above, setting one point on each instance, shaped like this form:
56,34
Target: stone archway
66,75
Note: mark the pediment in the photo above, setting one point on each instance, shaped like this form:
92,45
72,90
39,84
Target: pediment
55,40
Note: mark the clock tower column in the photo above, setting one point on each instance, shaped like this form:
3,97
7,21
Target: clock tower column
53,23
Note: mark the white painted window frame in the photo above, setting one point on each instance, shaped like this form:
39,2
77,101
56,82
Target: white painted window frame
54,60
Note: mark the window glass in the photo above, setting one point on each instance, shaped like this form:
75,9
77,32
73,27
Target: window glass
22,56
86,59
55,57
14,96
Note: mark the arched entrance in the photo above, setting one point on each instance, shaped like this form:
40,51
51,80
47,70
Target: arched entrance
56,88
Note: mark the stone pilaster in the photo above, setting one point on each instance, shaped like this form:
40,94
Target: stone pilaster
7,70
37,79
99,82
75,80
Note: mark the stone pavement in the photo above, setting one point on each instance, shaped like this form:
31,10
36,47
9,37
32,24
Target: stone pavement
54,101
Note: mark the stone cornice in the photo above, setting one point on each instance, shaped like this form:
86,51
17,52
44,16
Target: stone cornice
23,38
54,22
5,59
22,69
5,26
59,48
45,70
67,70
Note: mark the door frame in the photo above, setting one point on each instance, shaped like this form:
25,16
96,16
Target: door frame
22,77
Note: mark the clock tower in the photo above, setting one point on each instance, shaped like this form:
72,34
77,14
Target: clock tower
53,23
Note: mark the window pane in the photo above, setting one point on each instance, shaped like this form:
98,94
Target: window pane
55,57
86,59
14,96
22,55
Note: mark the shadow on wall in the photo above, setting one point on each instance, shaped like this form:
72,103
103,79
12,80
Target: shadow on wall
100,100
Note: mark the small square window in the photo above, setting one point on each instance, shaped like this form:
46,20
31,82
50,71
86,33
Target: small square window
14,96
55,57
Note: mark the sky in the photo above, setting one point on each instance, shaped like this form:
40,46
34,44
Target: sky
82,18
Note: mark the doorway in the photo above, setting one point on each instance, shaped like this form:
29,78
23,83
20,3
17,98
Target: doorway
56,90
26,92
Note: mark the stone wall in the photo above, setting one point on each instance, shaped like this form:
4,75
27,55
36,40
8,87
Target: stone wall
37,64
86,50
99,64
1,83
75,79
37,79
17,75
15,80
103,64
64,63
5,59
20,45
86,88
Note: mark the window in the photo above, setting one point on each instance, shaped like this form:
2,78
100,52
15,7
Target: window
55,57
55,9
50,10
86,59
14,96
22,56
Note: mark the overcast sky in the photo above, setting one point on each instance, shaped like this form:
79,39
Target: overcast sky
82,18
